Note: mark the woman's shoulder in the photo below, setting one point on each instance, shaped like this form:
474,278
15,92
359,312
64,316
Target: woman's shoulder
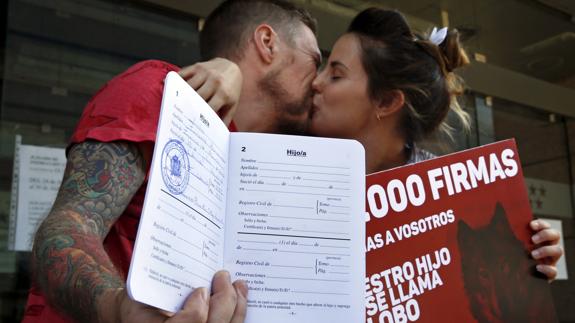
419,154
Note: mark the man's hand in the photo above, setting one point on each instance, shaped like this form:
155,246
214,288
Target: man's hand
218,82
227,304
547,250
229,301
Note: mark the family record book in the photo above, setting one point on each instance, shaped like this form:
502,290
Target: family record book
448,240
281,212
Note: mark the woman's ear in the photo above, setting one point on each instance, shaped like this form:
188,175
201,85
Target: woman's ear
266,41
390,105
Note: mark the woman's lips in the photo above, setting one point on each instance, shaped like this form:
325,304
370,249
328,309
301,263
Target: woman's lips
315,103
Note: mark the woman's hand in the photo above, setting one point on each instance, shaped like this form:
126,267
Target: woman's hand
547,250
218,82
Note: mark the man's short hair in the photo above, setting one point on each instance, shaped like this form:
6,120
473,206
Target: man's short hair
228,27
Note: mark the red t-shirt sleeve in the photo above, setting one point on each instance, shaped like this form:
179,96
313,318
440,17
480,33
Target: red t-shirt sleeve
127,107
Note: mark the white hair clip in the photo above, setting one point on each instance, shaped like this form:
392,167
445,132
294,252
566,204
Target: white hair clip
438,36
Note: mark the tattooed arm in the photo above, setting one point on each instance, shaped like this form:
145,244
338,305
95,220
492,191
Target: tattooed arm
69,260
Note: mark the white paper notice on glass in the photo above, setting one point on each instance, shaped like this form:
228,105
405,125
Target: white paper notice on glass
37,176
284,213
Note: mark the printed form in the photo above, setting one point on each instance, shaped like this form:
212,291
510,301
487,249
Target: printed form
180,238
292,228
283,213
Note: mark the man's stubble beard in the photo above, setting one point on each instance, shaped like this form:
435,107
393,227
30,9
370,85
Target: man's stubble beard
291,115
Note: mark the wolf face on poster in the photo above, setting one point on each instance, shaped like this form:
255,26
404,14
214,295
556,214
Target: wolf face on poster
448,240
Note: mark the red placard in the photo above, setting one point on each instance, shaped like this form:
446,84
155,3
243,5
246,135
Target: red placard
448,240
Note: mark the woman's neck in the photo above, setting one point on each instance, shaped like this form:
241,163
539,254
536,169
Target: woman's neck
384,151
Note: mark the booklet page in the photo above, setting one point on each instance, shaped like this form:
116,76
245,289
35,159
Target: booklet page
181,233
295,227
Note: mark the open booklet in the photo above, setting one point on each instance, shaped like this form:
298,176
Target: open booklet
284,213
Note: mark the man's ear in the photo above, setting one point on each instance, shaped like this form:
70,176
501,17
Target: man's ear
392,103
266,42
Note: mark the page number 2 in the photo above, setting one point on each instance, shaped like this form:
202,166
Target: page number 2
243,149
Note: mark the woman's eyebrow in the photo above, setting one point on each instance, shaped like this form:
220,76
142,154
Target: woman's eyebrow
334,64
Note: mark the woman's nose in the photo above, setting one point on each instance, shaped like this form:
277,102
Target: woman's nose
317,82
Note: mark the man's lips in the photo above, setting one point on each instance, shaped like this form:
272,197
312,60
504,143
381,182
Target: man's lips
313,110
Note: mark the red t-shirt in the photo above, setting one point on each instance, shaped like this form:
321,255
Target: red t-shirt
126,108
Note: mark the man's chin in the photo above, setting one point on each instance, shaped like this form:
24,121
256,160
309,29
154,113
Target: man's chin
292,126
314,128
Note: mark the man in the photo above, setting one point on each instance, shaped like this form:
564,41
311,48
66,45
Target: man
278,64
82,250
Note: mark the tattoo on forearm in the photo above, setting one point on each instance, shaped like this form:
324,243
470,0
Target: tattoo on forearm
69,259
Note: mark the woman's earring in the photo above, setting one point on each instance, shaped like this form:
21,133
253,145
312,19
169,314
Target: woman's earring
378,117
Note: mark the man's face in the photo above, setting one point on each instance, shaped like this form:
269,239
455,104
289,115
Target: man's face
289,84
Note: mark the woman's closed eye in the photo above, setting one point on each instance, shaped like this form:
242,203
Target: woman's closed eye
336,75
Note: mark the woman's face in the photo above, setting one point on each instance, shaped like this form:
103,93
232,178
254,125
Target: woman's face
341,105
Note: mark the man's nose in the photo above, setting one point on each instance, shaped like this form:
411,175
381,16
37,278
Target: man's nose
316,84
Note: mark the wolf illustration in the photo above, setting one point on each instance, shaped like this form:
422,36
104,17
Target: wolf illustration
499,275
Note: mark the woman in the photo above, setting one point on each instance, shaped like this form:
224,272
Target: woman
401,88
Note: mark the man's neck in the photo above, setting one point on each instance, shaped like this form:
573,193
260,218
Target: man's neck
254,112
252,116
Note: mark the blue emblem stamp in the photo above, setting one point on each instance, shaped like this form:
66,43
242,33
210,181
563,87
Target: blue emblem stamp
175,167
